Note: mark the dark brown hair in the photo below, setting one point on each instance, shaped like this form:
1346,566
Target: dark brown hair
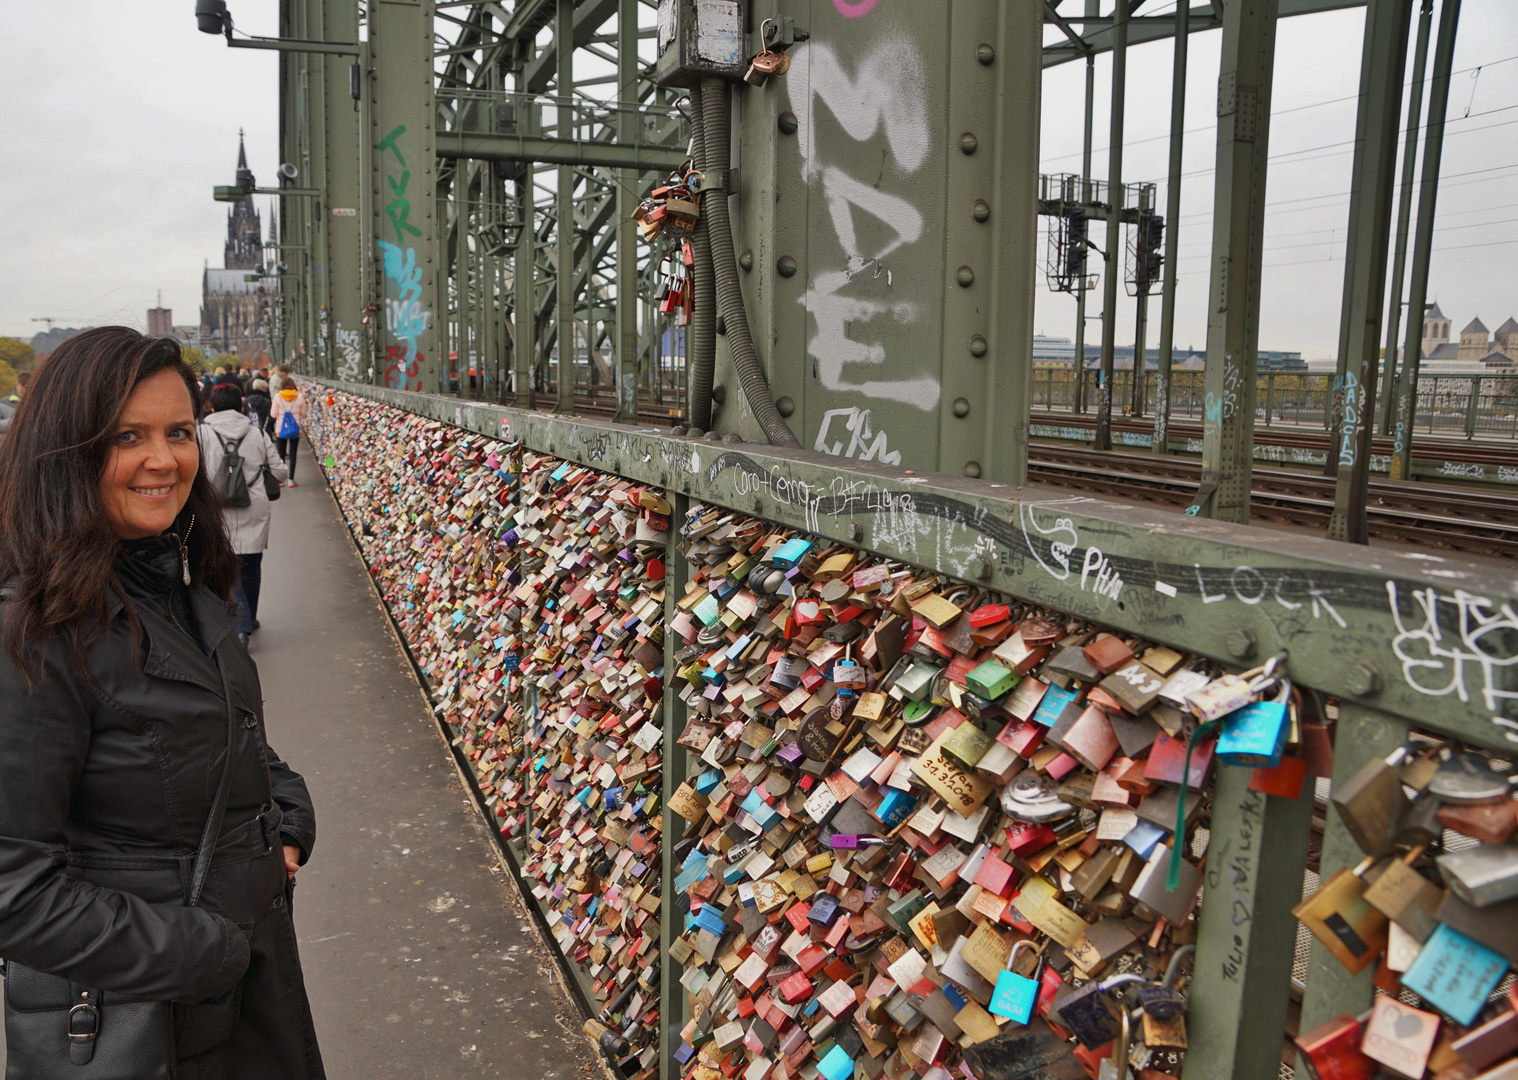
57,550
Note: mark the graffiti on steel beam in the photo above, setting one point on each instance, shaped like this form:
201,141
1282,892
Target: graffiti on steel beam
864,443
886,94
1457,642
348,360
405,316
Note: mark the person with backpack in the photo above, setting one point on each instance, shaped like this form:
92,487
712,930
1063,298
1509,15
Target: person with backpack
256,404
288,414
239,460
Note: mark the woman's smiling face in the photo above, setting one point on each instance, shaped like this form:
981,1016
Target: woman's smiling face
153,458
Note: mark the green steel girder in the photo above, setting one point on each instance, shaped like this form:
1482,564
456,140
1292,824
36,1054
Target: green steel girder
480,146
589,16
1429,638
1096,33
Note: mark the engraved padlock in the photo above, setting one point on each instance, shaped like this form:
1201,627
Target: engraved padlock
1223,695
1255,735
1015,994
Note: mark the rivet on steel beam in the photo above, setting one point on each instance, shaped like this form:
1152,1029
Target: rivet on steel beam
785,266
1362,679
758,505
985,54
969,143
786,121
980,210
981,568
964,275
856,531
978,345
786,405
961,407
746,260
972,469
1240,643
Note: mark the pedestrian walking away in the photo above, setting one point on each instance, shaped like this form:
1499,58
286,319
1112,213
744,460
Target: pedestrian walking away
235,454
288,415
256,405
149,835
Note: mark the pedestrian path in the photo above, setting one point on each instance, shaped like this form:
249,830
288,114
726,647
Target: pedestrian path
420,961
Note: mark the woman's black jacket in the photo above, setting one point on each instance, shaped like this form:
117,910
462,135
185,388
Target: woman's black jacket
106,782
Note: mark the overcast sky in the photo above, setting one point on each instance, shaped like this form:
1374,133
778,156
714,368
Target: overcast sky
115,140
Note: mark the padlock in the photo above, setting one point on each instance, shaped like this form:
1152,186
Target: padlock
1406,897
763,65
1015,994
1332,1051
1255,735
1092,1016
1221,696
1399,1036
1372,802
1482,875
1454,974
1339,916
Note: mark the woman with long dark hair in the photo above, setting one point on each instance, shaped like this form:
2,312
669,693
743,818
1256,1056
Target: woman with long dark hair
149,837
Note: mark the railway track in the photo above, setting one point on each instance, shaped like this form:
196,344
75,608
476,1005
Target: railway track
1455,519
1437,449
1470,520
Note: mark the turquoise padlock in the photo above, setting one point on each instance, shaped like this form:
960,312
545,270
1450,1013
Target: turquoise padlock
1255,735
1015,994
790,553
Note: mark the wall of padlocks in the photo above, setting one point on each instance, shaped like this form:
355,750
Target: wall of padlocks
913,828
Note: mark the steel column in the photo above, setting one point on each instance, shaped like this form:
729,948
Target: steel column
564,228
1242,985
1172,228
1113,264
1078,392
1382,62
404,181
1388,382
524,341
1423,239
1364,735
1014,217
628,189
1238,229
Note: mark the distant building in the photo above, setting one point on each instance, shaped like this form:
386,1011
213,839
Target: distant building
1475,351
160,320
188,335
232,311
50,339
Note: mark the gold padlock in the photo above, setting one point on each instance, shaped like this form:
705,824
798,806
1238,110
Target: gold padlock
1339,916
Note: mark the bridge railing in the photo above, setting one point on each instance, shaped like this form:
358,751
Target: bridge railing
1400,640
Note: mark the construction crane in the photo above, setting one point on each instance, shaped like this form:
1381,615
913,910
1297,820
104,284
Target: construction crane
51,319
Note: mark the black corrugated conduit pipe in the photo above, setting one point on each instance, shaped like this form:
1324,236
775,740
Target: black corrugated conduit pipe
715,135
703,323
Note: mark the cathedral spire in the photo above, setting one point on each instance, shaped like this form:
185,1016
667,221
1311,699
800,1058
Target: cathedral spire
244,174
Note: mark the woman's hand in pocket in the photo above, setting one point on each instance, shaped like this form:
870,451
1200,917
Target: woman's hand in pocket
292,859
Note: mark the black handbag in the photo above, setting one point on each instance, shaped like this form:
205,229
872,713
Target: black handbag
56,1029
271,485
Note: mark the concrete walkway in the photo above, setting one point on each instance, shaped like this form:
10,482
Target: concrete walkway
420,961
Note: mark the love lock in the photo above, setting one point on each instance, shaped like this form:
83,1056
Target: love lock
1033,796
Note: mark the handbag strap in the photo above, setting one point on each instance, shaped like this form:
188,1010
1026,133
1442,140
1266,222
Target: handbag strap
219,806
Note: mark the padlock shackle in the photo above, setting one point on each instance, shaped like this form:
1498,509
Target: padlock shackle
1012,956
1173,968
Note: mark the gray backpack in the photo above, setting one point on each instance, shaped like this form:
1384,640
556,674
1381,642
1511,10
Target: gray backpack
229,483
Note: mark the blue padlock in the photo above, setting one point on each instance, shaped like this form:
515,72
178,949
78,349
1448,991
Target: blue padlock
790,553
1015,994
1255,735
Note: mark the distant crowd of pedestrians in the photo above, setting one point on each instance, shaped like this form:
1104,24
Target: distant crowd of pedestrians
248,448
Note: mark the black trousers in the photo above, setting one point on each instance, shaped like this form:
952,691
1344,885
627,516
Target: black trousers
287,449
250,579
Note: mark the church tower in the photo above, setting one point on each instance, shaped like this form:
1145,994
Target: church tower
244,250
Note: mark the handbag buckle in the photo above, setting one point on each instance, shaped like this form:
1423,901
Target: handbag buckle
91,1017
